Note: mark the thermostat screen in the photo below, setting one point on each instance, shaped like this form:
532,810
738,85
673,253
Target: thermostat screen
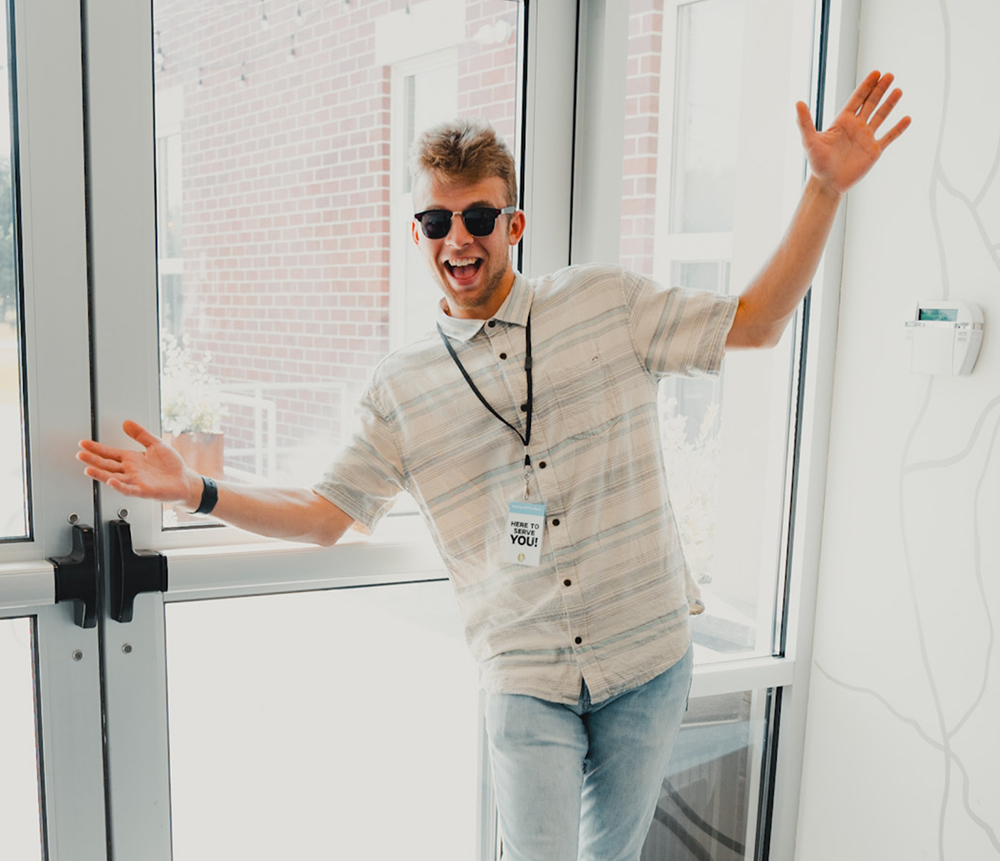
945,314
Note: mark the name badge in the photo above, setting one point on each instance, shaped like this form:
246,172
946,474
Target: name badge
525,527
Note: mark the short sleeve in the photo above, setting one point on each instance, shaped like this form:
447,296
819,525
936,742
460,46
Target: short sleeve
676,330
365,477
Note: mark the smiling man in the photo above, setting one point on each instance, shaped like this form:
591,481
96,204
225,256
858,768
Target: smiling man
526,429
471,266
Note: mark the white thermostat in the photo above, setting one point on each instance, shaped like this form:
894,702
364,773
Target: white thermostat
944,337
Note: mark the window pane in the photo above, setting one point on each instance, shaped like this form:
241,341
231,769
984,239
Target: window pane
340,724
284,206
20,817
13,462
706,806
711,167
709,53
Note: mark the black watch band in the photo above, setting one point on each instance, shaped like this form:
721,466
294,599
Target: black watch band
209,496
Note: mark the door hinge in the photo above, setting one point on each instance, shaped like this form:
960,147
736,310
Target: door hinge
76,576
132,571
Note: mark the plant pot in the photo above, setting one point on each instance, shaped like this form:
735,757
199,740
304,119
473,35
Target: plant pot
203,452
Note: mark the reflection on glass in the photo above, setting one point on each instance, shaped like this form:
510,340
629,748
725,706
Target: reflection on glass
340,724
284,207
705,811
20,816
13,464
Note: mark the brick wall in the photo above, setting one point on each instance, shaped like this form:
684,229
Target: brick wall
642,108
285,214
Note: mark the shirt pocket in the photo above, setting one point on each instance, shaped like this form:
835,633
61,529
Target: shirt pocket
586,397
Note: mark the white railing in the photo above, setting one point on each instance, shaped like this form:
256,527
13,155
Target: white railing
261,399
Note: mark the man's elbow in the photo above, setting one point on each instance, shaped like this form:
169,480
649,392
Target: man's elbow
754,337
754,330
329,522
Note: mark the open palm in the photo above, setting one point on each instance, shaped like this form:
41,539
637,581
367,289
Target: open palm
840,155
157,472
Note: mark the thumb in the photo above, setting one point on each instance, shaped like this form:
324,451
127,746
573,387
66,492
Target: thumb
139,434
806,127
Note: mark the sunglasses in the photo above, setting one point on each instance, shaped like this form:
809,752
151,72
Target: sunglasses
479,220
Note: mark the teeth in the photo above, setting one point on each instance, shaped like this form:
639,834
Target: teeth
469,261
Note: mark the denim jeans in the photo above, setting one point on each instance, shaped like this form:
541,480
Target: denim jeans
580,783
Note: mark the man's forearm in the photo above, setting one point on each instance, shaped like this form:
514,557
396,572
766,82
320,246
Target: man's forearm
767,305
292,514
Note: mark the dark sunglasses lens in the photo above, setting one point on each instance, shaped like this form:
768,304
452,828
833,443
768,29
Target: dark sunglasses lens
479,222
436,224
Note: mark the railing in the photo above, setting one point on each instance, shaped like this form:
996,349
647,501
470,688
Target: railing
265,450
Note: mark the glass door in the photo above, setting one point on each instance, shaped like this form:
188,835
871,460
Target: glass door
51,762
248,161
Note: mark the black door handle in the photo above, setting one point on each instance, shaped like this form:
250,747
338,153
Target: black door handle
132,571
76,576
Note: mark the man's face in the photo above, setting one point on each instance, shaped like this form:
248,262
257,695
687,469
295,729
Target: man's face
473,271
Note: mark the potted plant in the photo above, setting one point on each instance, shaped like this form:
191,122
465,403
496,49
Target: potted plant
190,407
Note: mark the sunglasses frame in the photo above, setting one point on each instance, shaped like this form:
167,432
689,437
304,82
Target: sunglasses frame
507,210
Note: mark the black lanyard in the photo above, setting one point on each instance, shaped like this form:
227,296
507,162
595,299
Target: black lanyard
526,438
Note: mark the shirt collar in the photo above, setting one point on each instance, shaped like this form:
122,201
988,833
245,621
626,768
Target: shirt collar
514,310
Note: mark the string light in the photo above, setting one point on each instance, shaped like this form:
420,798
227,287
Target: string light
302,18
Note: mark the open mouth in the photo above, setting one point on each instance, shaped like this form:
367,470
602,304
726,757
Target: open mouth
463,270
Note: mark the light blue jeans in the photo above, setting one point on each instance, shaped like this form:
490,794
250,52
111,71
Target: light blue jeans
580,783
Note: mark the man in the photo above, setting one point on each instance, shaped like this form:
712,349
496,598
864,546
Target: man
526,429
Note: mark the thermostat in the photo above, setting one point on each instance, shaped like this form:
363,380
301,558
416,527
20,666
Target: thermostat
944,337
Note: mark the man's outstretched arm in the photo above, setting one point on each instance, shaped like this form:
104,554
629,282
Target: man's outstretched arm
838,158
158,472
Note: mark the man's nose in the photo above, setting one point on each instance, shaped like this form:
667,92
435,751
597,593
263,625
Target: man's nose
458,233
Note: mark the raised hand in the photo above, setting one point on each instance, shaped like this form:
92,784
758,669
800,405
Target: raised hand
840,155
158,472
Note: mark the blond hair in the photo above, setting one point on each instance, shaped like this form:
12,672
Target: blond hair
464,151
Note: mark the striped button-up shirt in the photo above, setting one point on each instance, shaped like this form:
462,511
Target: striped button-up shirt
607,603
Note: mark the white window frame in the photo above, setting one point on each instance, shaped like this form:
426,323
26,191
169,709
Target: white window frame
401,277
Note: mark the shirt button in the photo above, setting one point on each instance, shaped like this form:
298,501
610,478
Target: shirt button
492,323
524,408
567,582
555,521
578,640
503,355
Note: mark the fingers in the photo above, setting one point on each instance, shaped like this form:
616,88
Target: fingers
894,133
858,97
99,450
101,463
886,108
864,104
875,94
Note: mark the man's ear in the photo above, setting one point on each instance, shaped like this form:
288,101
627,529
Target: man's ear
415,231
516,230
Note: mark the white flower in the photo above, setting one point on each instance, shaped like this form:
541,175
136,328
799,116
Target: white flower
189,397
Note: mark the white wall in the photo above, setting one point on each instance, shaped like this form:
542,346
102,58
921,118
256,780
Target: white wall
903,741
